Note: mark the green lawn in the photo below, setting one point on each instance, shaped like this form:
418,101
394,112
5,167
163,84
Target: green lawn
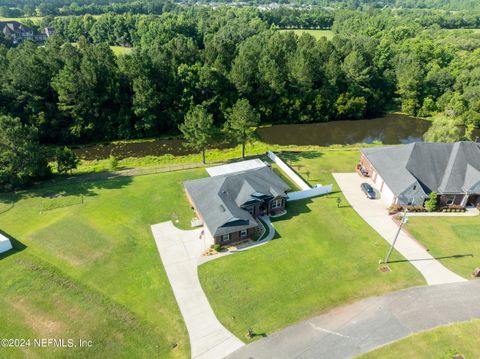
92,270
322,257
317,34
121,50
440,343
454,241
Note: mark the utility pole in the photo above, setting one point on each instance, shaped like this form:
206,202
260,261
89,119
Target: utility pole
402,222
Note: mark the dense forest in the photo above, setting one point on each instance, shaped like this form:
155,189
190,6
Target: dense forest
207,60
17,8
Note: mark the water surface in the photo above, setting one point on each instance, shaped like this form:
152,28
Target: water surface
391,129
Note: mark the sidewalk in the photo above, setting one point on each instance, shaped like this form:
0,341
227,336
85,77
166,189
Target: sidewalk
375,214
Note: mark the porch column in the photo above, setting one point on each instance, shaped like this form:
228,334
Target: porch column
465,200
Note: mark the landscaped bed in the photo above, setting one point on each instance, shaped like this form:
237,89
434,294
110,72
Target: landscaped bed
322,257
454,241
444,342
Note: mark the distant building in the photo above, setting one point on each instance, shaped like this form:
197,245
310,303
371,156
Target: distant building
19,33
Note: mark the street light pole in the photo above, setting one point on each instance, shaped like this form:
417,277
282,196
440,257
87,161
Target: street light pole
403,221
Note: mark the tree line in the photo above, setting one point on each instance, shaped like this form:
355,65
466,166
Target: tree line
210,65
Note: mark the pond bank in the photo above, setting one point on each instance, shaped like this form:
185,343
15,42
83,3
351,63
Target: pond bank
390,129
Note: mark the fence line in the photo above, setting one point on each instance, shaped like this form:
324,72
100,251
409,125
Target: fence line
290,173
307,191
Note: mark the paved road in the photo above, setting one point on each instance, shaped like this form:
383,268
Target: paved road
362,326
180,251
375,214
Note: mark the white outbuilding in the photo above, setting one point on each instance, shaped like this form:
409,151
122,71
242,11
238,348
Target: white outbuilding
5,244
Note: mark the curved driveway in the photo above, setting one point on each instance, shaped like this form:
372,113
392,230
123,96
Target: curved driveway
180,251
362,326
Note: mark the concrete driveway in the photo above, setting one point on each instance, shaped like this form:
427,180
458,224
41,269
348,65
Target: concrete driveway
180,252
354,329
374,212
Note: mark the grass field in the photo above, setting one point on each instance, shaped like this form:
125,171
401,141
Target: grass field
121,50
92,270
317,34
440,343
454,241
34,19
322,256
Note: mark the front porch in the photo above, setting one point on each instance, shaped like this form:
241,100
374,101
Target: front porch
461,200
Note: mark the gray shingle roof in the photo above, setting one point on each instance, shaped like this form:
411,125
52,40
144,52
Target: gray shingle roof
218,199
445,168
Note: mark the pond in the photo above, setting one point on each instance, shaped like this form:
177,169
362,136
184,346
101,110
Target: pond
391,129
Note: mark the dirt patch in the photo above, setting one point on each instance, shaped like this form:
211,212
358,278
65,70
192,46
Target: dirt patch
39,321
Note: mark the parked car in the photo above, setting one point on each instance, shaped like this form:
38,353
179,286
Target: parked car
368,190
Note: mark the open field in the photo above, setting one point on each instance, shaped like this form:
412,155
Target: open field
454,241
443,342
121,50
322,257
317,34
92,270
34,19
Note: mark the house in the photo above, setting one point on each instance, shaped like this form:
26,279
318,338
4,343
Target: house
19,33
229,204
5,244
15,31
408,174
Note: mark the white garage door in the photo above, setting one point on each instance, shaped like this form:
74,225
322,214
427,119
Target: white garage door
386,193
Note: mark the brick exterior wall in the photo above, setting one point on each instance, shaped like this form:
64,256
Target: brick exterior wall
235,236
368,166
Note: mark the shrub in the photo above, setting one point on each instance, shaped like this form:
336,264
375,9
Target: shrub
113,162
431,203
393,209
217,247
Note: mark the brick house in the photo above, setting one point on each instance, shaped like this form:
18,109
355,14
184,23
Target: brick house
229,204
408,174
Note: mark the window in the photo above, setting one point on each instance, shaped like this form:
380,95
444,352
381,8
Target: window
414,187
225,238
243,233
277,203
450,199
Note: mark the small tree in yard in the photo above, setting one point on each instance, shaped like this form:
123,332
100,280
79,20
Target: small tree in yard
241,122
431,203
197,129
67,160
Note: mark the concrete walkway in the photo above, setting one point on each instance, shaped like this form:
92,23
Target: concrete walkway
180,251
365,325
375,214
470,212
245,246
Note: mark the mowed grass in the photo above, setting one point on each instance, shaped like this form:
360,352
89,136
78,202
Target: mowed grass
454,241
322,257
443,342
92,270
317,34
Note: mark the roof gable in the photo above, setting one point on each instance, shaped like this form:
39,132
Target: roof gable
219,199
439,167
